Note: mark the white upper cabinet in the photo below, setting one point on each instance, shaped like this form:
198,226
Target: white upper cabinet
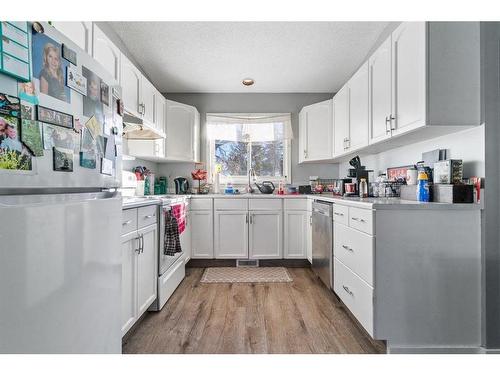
160,111
79,32
317,131
180,131
148,101
380,89
106,53
130,81
341,120
196,137
358,109
409,81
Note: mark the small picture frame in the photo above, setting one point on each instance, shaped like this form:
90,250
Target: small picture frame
63,159
76,81
51,116
68,54
106,166
104,93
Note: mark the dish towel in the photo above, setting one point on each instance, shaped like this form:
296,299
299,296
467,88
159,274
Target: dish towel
172,243
179,212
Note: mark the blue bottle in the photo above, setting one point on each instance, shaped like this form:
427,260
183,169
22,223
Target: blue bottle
423,187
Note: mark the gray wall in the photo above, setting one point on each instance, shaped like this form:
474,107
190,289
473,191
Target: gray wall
248,103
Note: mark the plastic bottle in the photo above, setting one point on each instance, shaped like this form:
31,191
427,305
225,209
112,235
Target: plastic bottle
363,188
423,187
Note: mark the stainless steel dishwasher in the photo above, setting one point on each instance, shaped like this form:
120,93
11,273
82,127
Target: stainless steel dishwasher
322,241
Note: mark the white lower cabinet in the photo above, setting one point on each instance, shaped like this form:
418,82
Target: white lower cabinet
295,237
202,235
185,238
231,234
265,234
139,269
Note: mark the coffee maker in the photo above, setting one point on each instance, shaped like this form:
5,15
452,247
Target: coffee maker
357,173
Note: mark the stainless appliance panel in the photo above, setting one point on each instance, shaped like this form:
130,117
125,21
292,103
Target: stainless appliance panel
322,241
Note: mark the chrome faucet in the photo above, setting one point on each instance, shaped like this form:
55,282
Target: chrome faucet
251,172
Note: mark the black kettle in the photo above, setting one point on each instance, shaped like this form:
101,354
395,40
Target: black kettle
267,187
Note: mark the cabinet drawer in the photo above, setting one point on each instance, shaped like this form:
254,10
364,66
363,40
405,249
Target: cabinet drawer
129,220
341,214
361,219
201,204
355,250
236,204
146,216
355,293
295,204
265,204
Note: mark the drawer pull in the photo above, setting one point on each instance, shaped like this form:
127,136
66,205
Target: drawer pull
348,248
358,219
149,216
338,213
348,290
126,222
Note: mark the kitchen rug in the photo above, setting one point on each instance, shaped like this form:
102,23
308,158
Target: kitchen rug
246,275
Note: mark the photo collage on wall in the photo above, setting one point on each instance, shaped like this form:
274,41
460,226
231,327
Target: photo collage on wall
30,126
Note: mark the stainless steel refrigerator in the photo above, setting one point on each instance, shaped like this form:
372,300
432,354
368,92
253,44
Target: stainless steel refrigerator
60,258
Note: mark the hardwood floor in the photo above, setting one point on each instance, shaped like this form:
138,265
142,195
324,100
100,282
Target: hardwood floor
298,317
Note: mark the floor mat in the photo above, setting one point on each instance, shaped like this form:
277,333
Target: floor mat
246,275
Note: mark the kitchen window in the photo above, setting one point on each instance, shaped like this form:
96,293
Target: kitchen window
238,142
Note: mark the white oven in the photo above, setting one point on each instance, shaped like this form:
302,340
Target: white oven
171,268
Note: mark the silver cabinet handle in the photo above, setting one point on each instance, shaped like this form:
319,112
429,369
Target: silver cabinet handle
348,248
142,243
246,218
138,250
149,216
126,222
358,219
387,121
251,219
338,213
392,118
347,290
310,220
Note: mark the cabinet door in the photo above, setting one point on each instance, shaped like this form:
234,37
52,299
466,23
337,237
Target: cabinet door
341,120
266,232
302,136
185,238
130,81
106,53
319,127
295,234
358,109
80,33
202,234
160,111
380,92
147,269
196,137
145,148
179,131
130,246
409,63
148,101
231,234
309,236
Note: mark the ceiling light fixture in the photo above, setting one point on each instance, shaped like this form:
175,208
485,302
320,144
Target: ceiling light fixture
248,81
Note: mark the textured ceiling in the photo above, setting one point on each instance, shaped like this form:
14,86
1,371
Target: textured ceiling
279,56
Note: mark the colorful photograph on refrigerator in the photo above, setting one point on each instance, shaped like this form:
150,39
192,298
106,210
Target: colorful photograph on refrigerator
27,92
92,105
13,155
63,159
55,136
10,105
27,111
49,67
88,159
31,136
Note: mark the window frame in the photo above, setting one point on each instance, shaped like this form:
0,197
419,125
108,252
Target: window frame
243,180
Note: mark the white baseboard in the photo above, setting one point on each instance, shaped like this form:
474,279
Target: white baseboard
434,350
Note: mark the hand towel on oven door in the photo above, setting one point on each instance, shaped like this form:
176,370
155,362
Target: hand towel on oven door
174,226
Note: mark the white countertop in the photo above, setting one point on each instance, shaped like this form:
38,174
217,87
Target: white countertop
367,203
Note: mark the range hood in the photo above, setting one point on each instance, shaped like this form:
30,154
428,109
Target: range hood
135,128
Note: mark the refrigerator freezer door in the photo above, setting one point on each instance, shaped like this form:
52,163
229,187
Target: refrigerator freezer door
60,273
42,175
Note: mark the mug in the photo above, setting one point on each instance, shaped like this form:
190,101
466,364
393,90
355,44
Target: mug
411,176
350,187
